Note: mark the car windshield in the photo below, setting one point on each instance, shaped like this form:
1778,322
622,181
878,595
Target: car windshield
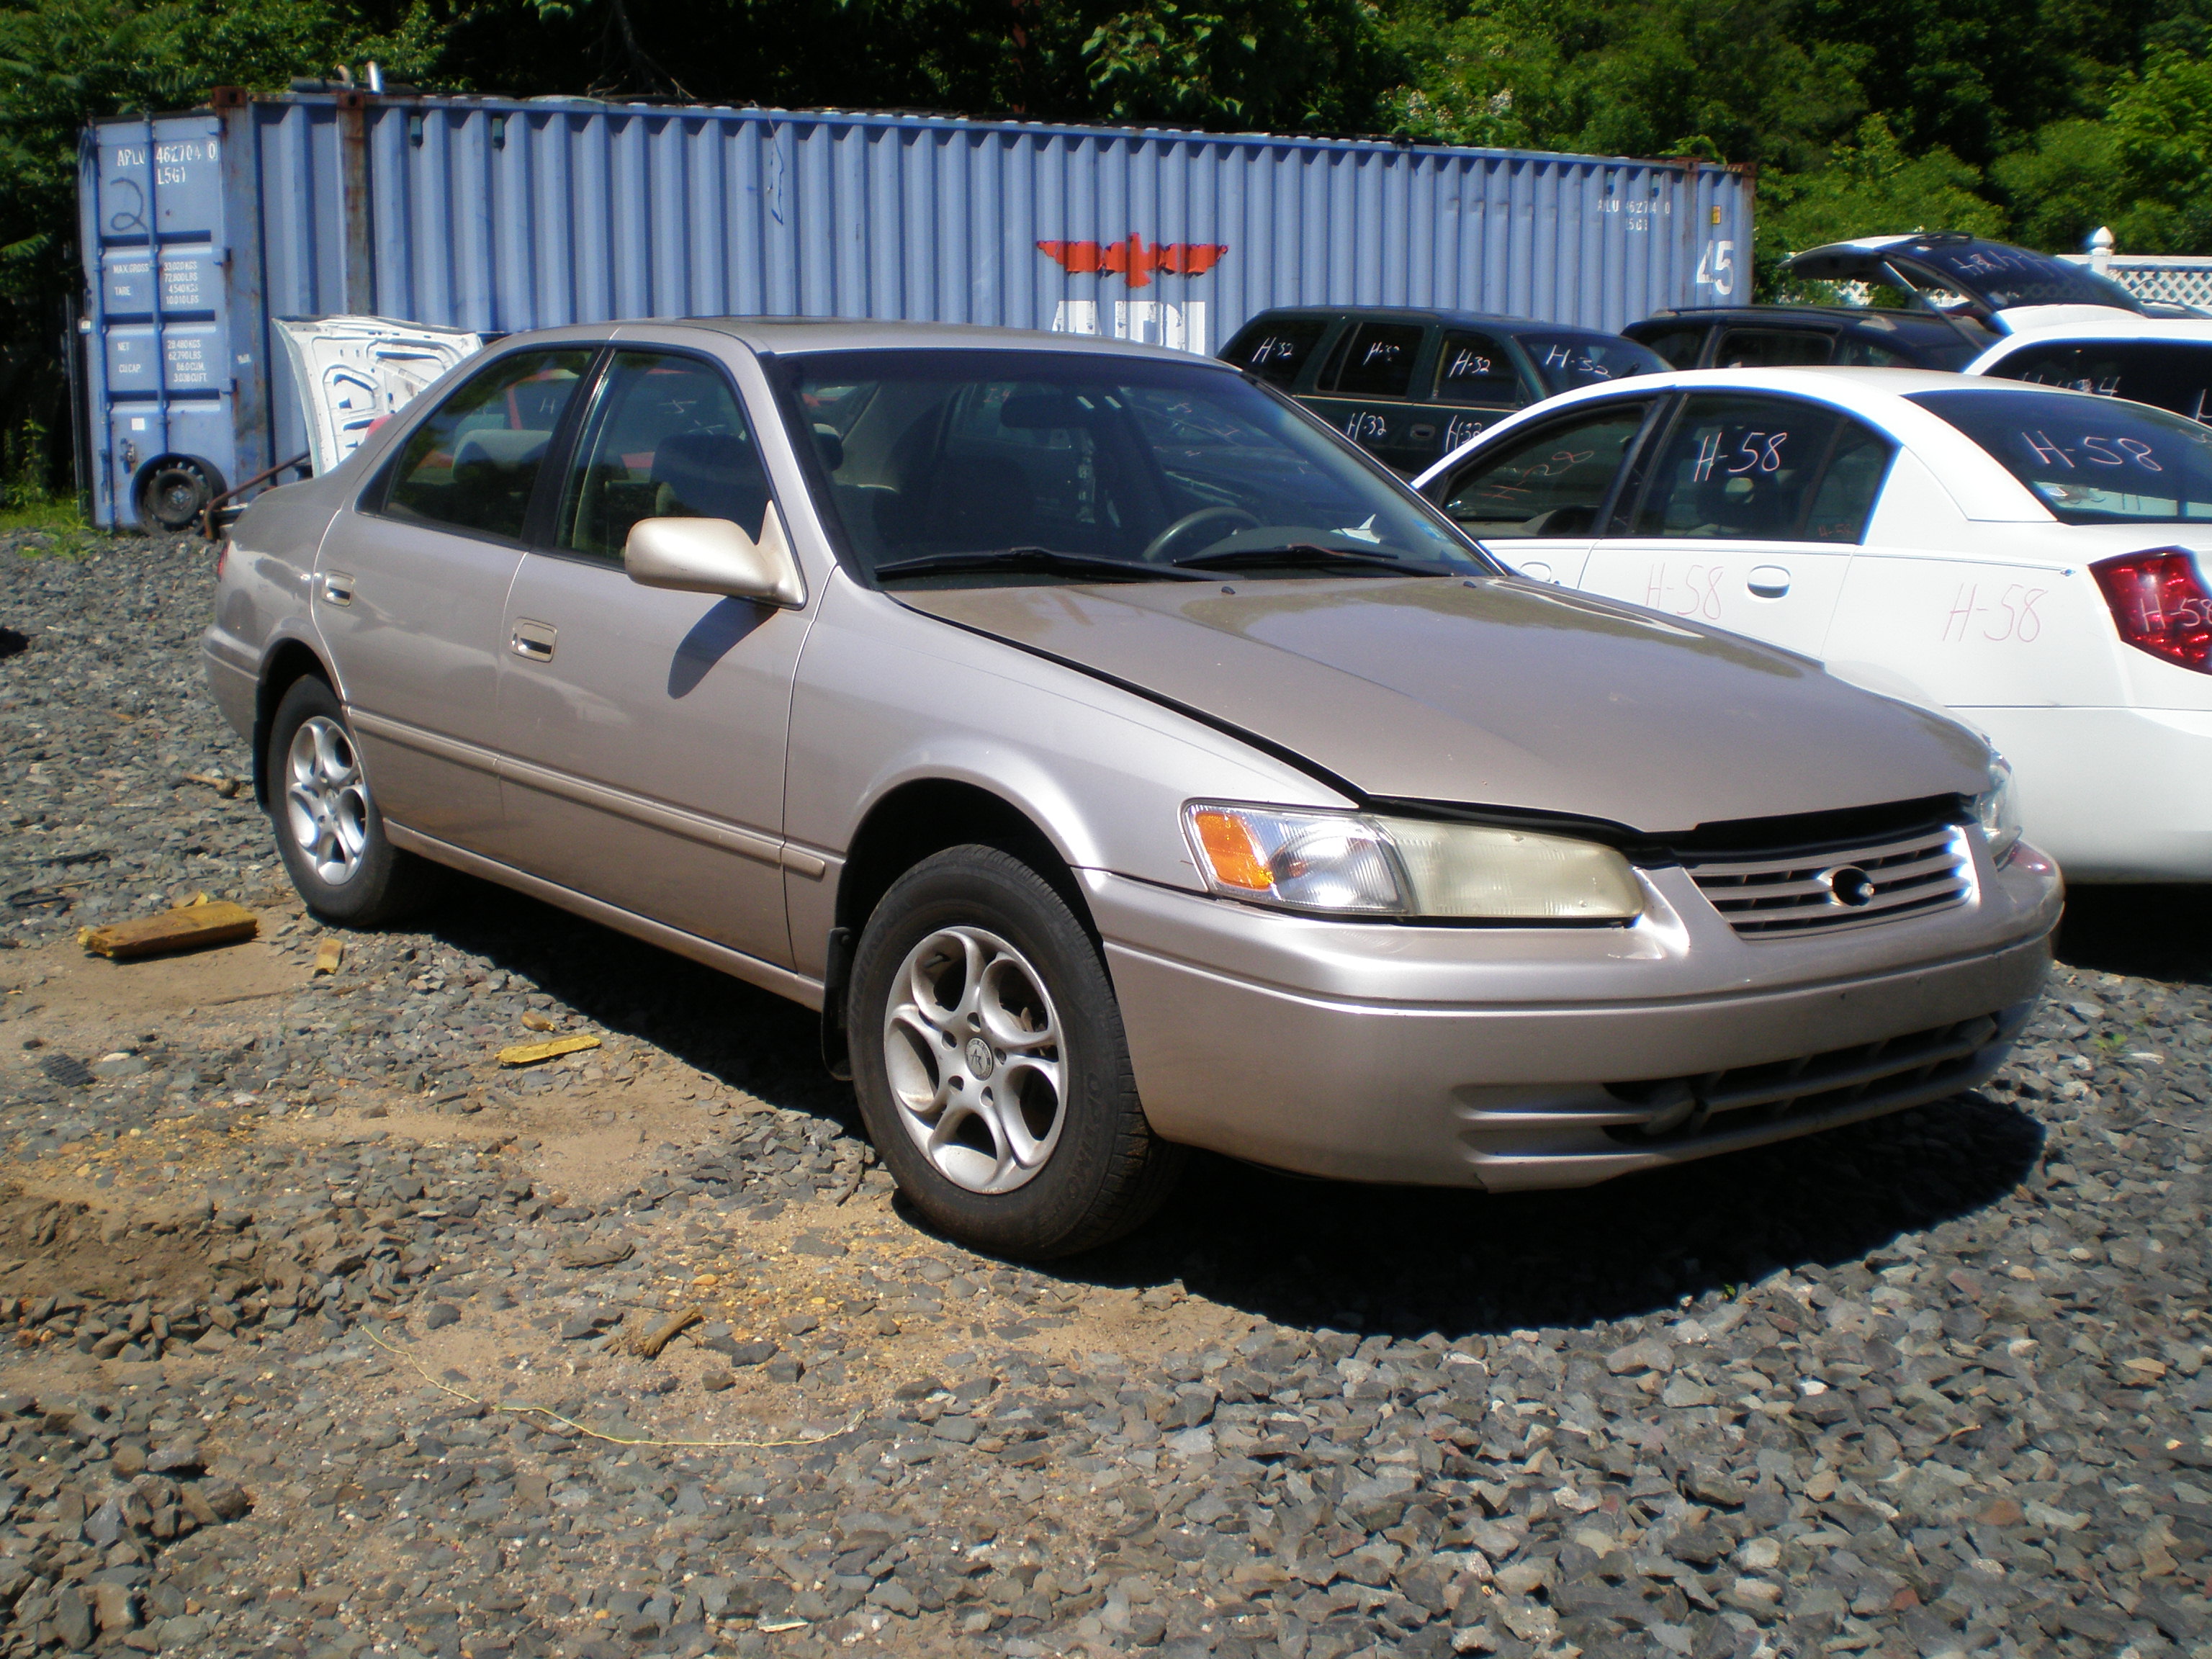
1567,361
2090,460
1001,467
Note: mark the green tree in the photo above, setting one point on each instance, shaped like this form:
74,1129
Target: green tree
2162,134
1870,186
66,63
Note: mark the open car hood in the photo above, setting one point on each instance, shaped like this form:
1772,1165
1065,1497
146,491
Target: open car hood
1494,693
1996,277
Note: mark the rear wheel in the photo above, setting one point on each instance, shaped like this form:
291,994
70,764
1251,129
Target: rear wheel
327,826
990,1064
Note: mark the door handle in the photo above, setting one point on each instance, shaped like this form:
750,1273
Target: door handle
338,588
533,640
1768,581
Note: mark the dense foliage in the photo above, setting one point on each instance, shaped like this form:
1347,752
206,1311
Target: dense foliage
2037,122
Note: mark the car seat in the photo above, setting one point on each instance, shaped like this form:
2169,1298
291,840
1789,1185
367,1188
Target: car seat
709,475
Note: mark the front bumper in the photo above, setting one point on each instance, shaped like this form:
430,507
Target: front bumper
1515,1058
2113,794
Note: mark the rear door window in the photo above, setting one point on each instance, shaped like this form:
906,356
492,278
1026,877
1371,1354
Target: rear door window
2175,374
1551,482
1773,347
1277,350
472,465
1746,468
1377,361
1474,368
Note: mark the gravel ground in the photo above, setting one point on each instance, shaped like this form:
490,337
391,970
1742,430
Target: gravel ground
322,1331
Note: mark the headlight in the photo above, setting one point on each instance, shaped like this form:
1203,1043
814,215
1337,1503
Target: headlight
1361,865
1994,807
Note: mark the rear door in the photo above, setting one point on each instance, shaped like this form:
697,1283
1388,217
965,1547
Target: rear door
1366,392
1751,506
1534,499
410,586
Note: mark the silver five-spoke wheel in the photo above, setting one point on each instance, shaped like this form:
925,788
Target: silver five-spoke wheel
326,800
972,1048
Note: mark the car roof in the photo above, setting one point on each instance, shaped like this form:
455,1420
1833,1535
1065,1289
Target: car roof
2116,326
794,335
1426,314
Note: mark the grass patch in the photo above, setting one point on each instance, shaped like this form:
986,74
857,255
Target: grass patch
50,527
45,513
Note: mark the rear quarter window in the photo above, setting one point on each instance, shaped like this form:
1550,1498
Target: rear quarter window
1276,350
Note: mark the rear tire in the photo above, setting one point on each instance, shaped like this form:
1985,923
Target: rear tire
990,1063
328,829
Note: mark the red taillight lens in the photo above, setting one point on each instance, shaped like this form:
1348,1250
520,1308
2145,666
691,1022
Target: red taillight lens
2160,605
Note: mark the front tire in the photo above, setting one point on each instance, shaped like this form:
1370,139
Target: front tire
327,826
990,1063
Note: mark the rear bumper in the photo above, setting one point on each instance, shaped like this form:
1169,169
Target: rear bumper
1555,1058
2113,794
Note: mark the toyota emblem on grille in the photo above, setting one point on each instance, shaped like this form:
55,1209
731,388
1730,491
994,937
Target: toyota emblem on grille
1849,886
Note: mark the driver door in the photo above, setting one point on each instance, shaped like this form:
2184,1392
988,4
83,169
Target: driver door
1534,501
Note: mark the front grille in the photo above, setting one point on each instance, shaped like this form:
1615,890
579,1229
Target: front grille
1827,890
1915,1066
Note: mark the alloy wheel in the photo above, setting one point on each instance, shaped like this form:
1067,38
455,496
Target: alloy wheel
976,1065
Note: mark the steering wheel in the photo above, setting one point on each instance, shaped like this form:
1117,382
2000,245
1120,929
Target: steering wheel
1156,549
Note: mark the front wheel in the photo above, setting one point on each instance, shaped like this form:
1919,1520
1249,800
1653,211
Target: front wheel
990,1064
327,826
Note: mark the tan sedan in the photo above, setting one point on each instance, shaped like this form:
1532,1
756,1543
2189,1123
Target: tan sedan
1120,761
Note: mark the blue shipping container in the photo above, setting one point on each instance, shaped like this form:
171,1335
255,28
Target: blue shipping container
495,215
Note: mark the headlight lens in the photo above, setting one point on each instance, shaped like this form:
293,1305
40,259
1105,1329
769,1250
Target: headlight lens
1994,807
1359,864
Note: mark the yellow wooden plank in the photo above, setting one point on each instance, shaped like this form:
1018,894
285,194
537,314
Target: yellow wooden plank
531,1054
188,928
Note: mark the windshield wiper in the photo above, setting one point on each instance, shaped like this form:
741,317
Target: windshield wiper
1025,561
1298,555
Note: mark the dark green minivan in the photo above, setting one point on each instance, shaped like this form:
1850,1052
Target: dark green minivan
1411,385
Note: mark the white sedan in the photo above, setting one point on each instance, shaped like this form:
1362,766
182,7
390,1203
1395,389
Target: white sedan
2025,557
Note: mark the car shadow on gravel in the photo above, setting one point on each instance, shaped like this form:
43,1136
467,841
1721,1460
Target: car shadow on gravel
2156,932
748,1038
1408,1261
1404,1262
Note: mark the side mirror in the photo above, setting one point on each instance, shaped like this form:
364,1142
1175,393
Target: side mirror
713,556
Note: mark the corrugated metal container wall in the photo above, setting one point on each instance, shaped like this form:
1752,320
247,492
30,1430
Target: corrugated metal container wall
492,214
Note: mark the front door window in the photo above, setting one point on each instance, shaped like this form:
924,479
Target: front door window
667,439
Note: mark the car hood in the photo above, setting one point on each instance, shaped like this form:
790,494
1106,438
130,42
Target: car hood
1496,693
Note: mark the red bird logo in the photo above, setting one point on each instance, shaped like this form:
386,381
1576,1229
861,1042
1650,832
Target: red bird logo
1131,258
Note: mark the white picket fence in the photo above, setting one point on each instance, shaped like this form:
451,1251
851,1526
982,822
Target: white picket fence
2184,279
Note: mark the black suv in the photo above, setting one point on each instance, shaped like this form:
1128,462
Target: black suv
1790,336
1412,384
